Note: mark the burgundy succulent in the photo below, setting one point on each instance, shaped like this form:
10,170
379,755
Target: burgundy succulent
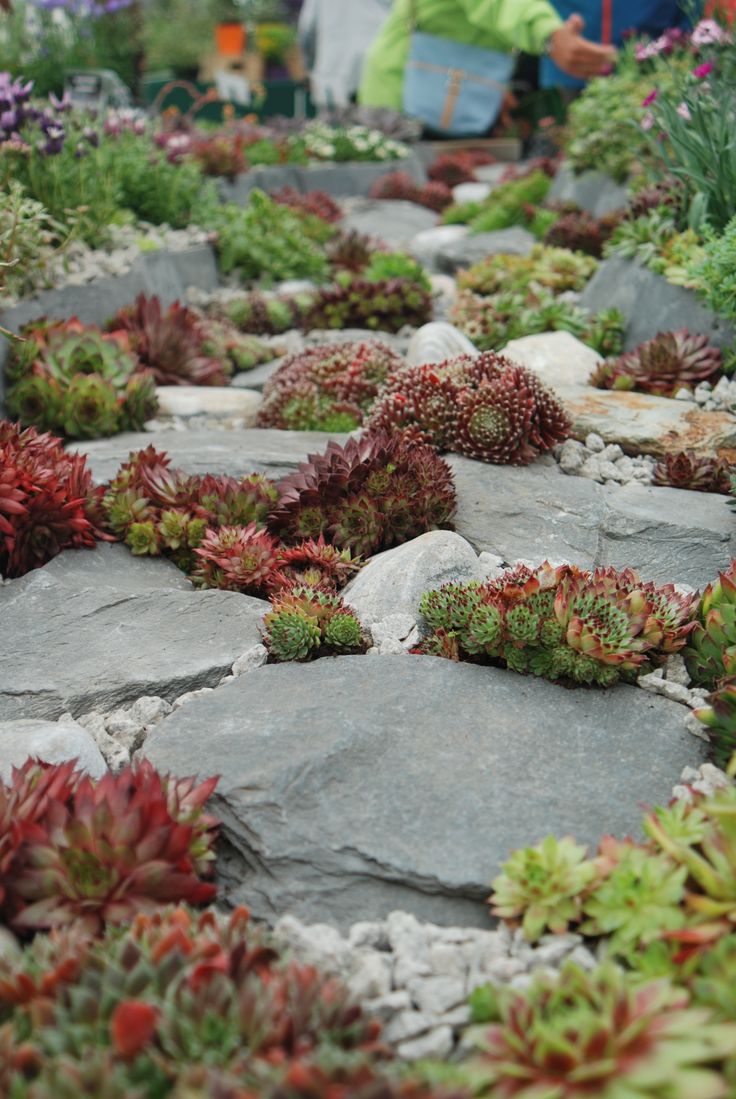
240,559
662,365
697,472
317,203
170,343
486,407
400,186
385,306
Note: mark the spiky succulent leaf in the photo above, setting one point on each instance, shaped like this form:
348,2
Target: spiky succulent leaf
291,634
662,365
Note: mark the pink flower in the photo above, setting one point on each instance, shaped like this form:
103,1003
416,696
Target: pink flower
650,98
704,70
684,112
709,32
647,121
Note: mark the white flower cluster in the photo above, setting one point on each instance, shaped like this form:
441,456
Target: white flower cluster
325,142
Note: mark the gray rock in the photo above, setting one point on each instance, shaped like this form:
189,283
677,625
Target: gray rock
346,179
437,342
427,245
471,192
249,661
52,742
209,400
437,1044
253,450
393,582
256,378
149,709
395,223
651,304
112,565
294,744
558,358
92,647
593,191
477,246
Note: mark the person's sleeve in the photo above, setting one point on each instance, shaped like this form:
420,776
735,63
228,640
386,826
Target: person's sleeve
518,24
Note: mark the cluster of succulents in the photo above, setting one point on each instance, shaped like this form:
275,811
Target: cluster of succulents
47,500
711,653
266,239
512,203
576,229
400,186
662,366
654,241
268,314
487,408
453,169
326,388
561,623
156,509
351,251
306,622
75,851
548,268
492,322
77,381
184,1004
316,203
385,306
369,495
180,347
696,472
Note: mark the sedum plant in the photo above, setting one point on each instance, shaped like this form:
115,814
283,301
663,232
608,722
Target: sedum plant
155,509
371,494
47,501
714,273
507,205
486,408
563,623
326,388
98,852
696,472
266,239
554,269
662,366
306,622
711,652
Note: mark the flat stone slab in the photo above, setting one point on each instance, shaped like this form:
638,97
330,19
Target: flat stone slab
71,643
49,741
338,180
593,191
643,424
475,247
353,786
426,246
537,512
395,223
208,400
112,565
560,360
235,453
651,304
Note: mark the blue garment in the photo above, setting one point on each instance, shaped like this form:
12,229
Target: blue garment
649,17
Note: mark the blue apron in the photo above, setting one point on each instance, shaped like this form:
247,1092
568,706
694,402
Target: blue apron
649,17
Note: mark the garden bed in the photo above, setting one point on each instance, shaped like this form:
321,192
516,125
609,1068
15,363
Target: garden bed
339,180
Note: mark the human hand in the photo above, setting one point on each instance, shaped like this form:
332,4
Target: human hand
577,56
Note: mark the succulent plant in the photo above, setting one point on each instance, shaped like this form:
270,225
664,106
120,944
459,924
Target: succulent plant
580,231
305,619
456,168
266,239
382,306
47,501
600,1035
487,408
711,653
316,203
326,388
719,718
236,559
315,563
554,269
98,852
400,186
563,623
544,886
268,315
170,343
714,983
508,204
662,366
156,509
369,495
351,251
224,342
696,472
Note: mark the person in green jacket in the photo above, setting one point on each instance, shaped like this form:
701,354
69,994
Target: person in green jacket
501,25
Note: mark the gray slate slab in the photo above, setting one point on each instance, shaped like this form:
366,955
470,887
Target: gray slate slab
538,512
651,304
338,180
236,453
355,786
393,222
475,247
75,640
593,191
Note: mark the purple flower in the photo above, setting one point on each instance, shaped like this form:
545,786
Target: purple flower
61,105
704,70
650,98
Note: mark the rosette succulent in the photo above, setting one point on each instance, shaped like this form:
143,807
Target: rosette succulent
554,269
47,500
236,559
581,232
326,388
315,563
662,366
400,186
171,343
486,407
601,1036
711,653
268,314
563,623
385,306
305,620
719,718
696,472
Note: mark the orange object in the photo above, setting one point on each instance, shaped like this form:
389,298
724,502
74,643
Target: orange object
230,38
725,8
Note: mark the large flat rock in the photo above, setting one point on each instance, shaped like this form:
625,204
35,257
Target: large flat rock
475,247
538,512
236,453
351,787
651,304
395,223
339,180
95,629
593,191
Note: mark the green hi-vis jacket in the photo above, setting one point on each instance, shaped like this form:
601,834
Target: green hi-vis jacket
502,25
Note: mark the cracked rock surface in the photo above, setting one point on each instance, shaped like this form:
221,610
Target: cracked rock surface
351,787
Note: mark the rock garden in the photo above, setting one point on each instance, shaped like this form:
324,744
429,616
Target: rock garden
368,602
